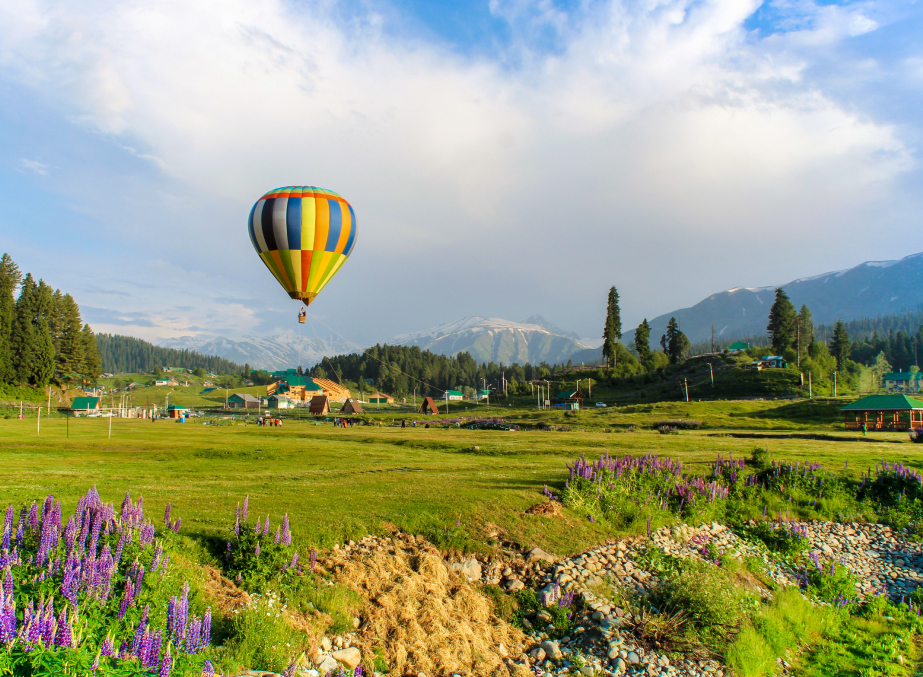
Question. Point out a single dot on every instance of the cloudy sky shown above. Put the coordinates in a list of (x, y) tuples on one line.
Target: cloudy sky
[(504, 158)]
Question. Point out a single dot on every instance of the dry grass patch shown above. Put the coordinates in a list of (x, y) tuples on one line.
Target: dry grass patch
[(424, 617)]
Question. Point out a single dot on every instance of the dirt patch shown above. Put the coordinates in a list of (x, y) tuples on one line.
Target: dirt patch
[(421, 615), (548, 508), (227, 597)]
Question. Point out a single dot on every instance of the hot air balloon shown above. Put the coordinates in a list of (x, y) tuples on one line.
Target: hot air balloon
[(304, 235)]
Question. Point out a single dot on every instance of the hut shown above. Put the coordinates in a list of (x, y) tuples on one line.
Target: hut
[(380, 398), (84, 405), (279, 401), (351, 406), (243, 401), (320, 405), (428, 406), (884, 412), (568, 399), (177, 411)]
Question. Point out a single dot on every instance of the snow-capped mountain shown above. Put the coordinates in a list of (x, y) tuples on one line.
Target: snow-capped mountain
[(280, 351), (870, 289), (498, 340)]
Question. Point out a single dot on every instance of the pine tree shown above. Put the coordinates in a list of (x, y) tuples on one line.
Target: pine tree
[(782, 323), (839, 347), (9, 280), (92, 367), (613, 328), (642, 341), (806, 326), (21, 337), (70, 351), (42, 355), (677, 344)]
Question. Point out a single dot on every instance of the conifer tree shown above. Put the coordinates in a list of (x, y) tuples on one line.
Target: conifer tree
[(70, 347), (9, 280), (92, 367), (806, 326), (613, 328), (21, 337), (782, 323), (642, 341), (42, 355), (677, 344), (839, 347)]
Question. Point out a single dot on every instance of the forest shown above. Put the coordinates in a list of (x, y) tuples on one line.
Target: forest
[(129, 355), (42, 337)]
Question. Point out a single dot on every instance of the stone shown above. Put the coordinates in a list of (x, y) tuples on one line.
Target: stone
[(551, 649), (515, 585), (350, 657), (632, 658), (326, 644), (470, 568), (538, 654), (537, 554), (328, 664), (587, 670)]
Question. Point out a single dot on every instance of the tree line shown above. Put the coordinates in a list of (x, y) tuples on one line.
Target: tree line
[(42, 337), (126, 354)]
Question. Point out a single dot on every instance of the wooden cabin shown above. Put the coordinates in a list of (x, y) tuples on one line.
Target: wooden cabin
[(884, 412), (428, 406)]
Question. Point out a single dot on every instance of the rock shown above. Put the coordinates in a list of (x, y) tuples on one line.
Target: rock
[(350, 657), (328, 664), (470, 568), (587, 670), (537, 554), (551, 649), (515, 585), (326, 644), (632, 658), (538, 654)]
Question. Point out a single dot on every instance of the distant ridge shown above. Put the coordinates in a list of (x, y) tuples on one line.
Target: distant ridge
[(870, 289), (280, 351), (497, 340)]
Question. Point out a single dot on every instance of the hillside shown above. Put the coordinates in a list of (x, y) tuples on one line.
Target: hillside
[(280, 351), (870, 289), (496, 340), (126, 354)]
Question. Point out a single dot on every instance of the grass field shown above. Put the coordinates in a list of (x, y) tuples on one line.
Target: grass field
[(340, 483)]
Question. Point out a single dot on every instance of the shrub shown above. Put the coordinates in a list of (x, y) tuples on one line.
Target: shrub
[(784, 538), (828, 581)]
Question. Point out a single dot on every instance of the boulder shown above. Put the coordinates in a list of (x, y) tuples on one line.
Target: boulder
[(327, 664), (551, 649), (537, 554), (470, 568), (350, 657)]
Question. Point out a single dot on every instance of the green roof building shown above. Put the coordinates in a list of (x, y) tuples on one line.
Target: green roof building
[(737, 346), (85, 404), (903, 380), (884, 412), (454, 395)]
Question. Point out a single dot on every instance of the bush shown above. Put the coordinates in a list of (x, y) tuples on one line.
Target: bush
[(784, 538), (828, 581)]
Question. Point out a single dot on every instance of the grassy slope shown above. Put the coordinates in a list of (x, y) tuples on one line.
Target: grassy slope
[(338, 483)]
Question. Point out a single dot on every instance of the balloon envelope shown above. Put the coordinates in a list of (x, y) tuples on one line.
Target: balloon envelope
[(304, 235)]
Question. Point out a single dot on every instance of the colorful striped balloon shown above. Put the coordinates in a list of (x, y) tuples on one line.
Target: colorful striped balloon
[(304, 235)]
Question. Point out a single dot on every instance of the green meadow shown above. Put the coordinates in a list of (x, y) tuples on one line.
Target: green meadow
[(450, 484)]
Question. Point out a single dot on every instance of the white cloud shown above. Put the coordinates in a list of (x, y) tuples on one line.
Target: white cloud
[(39, 168), (665, 114)]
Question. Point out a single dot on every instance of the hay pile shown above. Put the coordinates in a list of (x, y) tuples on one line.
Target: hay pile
[(421, 615)]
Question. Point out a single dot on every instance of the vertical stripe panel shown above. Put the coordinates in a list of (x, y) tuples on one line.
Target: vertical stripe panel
[(308, 216), (269, 236), (258, 225), (351, 242), (286, 256), (279, 209), (336, 224), (293, 223), (321, 224), (305, 268), (283, 275), (253, 241), (345, 228)]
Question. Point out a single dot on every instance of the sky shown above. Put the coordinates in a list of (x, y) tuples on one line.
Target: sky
[(504, 158)]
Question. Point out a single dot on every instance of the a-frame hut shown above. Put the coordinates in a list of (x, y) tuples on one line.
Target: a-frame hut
[(428, 406), (351, 406), (320, 405)]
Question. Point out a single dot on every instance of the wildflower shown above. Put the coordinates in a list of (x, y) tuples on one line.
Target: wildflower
[(165, 665)]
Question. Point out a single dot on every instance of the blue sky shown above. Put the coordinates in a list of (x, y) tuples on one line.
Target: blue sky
[(504, 158)]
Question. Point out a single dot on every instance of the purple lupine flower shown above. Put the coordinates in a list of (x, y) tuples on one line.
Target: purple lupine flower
[(290, 670), (118, 548), (107, 649), (95, 665), (126, 598), (240, 579), (257, 549), (266, 526), (206, 637), (166, 514), (208, 670), (63, 635), (285, 529), (140, 631), (227, 553), (258, 527), (153, 652), (166, 664), (278, 536), (358, 671), (8, 582), (33, 517), (163, 567), (176, 526), (246, 504), (237, 527), (294, 562)]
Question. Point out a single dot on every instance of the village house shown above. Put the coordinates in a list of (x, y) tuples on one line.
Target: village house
[(903, 381), (243, 401)]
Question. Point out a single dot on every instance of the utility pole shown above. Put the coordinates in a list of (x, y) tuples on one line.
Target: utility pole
[(711, 372), (686, 385), (38, 422), (110, 424), (713, 338), (49, 401), (834, 384), (799, 342), (810, 387)]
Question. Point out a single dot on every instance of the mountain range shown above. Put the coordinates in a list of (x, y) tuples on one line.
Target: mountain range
[(497, 340), (870, 289), (280, 351)]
